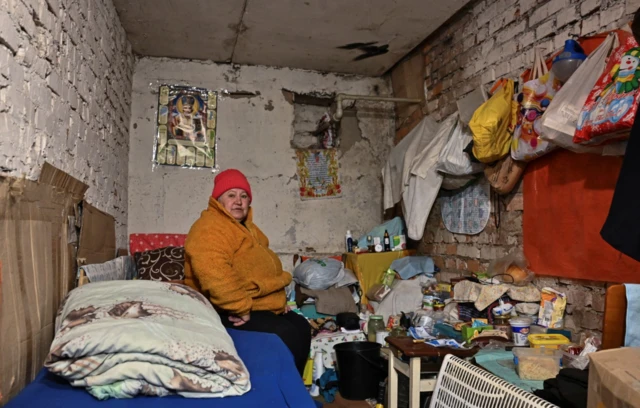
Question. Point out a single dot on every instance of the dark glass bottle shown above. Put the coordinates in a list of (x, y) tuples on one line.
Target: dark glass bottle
[(387, 242)]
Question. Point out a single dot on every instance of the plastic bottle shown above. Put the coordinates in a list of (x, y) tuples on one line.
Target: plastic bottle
[(349, 241), (387, 241), (566, 63), (388, 277)]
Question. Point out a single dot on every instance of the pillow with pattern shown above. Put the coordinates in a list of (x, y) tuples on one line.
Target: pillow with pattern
[(162, 264)]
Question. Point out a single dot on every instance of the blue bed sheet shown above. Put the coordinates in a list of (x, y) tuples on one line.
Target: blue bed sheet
[(275, 382)]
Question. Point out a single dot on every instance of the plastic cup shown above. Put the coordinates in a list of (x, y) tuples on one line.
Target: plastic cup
[(520, 327)]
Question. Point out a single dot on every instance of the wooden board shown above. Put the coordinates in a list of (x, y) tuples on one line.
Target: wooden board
[(615, 316)]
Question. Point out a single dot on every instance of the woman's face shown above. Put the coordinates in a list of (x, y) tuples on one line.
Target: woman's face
[(236, 202)]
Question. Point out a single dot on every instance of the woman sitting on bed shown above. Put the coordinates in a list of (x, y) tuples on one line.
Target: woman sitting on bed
[(227, 258)]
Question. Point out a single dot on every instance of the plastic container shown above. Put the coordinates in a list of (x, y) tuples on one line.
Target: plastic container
[(550, 341), (360, 369), (537, 364), (520, 327)]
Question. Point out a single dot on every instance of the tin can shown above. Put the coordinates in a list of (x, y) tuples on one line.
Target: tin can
[(381, 335)]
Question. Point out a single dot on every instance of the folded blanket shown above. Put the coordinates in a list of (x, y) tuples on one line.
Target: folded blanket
[(124, 338)]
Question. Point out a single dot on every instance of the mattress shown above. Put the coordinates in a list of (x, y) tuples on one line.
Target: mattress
[(275, 382)]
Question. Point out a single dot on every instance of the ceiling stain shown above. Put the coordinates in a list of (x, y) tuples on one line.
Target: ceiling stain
[(369, 49)]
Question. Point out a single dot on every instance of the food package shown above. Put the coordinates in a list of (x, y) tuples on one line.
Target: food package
[(377, 292), (552, 306)]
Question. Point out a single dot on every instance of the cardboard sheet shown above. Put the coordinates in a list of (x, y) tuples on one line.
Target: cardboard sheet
[(35, 276), (97, 243), (566, 201), (614, 378)]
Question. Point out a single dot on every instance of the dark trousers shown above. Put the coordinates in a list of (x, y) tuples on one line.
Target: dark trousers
[(293, 330)]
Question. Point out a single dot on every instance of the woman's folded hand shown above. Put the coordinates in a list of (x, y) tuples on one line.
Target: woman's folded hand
[(239, 320)]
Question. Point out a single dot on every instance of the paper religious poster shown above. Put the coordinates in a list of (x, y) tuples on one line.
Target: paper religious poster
[(318, 174), (186, 127)]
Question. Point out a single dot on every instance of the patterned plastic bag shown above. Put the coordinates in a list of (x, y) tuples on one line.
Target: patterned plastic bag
[(611, 106)]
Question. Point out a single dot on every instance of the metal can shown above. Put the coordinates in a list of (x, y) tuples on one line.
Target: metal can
[(381, 335)]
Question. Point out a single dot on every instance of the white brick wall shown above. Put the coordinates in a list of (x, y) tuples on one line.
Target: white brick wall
[(493, 38), (66, 68)]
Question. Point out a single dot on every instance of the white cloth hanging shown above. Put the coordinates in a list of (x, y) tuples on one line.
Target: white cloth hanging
[(410, 172), (425, 180), (395, 174)]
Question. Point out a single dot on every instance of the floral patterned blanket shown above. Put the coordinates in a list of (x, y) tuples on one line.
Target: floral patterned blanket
[(120, 339)]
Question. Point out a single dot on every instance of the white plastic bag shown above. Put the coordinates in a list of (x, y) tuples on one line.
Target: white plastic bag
[(318, 273), (453, 160), (561, 117)]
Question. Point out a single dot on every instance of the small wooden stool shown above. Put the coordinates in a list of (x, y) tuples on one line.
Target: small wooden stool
[(400, 347)]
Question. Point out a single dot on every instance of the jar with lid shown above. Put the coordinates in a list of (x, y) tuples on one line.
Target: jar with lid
[(502, 323), (375, 324), (398, 332), (438, 313)]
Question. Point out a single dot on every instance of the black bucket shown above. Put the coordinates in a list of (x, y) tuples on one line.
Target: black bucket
[(360, 369)]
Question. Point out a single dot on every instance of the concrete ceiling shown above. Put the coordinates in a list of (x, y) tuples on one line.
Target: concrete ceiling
[(305, 34)]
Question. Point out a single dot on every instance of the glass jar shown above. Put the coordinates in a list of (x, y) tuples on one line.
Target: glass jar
[(398, 332), (375, 324), (502, 323)]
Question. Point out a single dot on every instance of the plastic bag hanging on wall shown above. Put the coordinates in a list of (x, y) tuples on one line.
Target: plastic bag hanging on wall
[(186, 128)]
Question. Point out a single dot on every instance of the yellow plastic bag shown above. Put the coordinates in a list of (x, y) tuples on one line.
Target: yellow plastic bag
[(307, 375), (492, 125)]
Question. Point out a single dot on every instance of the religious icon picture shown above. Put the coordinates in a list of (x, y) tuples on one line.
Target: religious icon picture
[(186, 127)]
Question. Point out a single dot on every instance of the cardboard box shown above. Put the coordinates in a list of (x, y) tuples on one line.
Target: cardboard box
[(614, 378), (36, 276)]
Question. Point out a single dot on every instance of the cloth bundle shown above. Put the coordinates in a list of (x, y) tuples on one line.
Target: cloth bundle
[(120, 339)]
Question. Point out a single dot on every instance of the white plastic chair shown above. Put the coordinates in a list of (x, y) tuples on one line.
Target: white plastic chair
[(463, 385)]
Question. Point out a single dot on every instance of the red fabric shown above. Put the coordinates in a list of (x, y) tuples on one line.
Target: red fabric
[(229, 179), (566, 201), (147, 242)]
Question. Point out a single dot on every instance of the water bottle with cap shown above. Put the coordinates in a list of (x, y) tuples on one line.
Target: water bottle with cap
[(349, 241), (566, 63)]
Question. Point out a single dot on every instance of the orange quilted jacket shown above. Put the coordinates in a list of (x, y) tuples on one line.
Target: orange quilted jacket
[(232, 264)]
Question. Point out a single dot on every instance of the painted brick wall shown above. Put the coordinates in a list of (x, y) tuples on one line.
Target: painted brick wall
[(65, 95), (489, 39)]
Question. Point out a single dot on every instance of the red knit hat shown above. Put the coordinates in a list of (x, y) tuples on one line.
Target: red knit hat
[(228, 179)]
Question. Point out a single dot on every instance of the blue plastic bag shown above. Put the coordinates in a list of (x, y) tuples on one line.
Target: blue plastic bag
[(410, 266), (394, 227)]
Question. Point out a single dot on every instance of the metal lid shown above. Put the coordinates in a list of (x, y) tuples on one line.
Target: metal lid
[(376, 317)]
